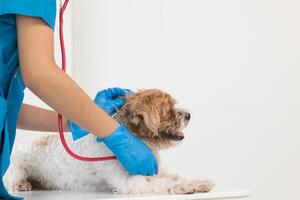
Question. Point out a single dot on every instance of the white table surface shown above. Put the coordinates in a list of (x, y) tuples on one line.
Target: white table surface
[(217, 193)]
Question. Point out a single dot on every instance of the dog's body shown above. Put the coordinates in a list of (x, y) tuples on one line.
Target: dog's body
[(149, 114)]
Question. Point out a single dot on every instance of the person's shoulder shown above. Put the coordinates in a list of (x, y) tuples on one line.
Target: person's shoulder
[(45, 9)]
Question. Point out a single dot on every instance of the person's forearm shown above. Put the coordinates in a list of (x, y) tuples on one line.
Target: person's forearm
[(61, 93), (38, 119)]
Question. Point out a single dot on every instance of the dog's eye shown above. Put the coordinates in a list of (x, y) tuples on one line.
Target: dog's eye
[(171, 114), (179, 113)]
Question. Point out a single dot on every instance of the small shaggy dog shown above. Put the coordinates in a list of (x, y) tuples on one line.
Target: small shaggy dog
[(149, 114)]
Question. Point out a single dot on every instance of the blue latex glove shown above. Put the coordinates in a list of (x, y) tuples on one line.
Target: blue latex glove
[(135, 156), (110, 100)]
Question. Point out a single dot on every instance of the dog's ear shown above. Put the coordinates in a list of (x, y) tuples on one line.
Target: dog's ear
[(131, 112), (152, 121), (140, 113), (135, 117)]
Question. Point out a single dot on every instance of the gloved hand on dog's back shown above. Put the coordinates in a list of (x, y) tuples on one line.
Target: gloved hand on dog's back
[(110, 100), (134, 155)]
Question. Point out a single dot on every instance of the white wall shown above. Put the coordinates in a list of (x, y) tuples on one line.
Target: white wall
[(235, 64)]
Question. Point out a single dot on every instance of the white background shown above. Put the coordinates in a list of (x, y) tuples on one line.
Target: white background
[(234, 64)]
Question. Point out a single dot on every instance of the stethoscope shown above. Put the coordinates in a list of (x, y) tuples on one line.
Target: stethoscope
[(63, 64)]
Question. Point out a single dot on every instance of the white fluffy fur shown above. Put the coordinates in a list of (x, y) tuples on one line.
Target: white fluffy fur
[(48, 166)]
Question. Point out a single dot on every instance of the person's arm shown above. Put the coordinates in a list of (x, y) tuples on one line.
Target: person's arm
[(43, 77), (38, 119)]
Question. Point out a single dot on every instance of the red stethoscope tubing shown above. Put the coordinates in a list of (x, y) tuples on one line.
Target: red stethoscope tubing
[(60, 124)]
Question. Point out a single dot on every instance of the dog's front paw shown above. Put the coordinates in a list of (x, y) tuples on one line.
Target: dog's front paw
[(201, 185), (193, 187), (22, 186)]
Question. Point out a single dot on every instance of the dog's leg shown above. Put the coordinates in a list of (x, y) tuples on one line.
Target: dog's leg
[(185, 186), (16, 178), (163, 184)]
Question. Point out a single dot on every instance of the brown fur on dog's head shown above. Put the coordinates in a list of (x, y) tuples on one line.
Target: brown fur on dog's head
[(152, 116)]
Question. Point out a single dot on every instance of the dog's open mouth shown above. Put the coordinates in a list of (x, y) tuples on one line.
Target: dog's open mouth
[(174, 136)]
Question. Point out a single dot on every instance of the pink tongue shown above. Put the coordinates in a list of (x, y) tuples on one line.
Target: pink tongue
[(180, 134)]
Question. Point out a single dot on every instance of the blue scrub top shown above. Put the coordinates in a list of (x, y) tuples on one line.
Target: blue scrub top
[(11, 83)]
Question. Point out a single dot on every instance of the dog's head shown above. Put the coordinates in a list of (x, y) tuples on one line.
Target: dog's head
[(152, 116)]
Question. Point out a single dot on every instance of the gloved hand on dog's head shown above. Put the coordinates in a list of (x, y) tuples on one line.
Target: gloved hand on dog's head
[(110, 100)]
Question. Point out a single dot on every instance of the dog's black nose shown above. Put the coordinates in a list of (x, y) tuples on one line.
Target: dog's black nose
[(187, 116)]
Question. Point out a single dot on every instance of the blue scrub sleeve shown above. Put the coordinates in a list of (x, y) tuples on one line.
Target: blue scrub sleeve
[(45, 9)]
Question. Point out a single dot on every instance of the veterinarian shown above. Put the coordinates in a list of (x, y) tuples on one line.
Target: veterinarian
[(27, 59)]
